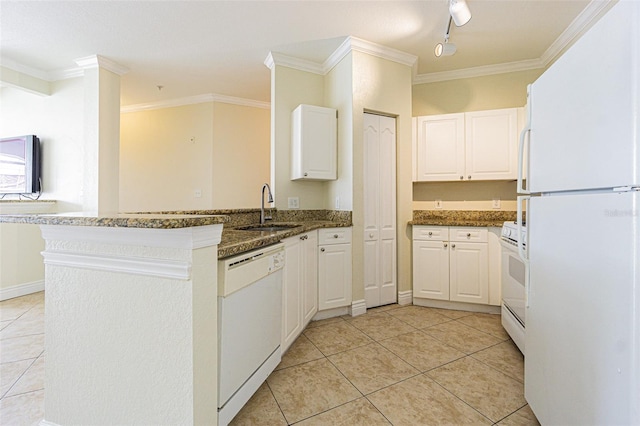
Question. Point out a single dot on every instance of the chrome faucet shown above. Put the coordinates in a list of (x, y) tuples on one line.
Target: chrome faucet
[(263, 218)]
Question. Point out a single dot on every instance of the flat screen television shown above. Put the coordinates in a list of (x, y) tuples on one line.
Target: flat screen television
[(20, 165)]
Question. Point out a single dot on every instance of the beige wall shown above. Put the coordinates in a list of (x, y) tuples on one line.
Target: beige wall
[(21, 263), (339, 95), (290, 88), (462, 95), (167, 154), (473, 94), (241, 155)]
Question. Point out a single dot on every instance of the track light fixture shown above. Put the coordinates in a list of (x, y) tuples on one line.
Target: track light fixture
[(460, 14), (446, 48), (459, 11)]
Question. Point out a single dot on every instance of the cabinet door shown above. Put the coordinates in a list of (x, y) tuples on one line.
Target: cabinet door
[(469, 272), (334, 276), (431, 269), (314, 143), (491, 150), (309, 277), (291, 292), (440, 147)]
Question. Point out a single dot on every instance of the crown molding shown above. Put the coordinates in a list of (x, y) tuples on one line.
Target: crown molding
[(65, 73), (24, 69), (349, 45), (576, 29), (591, 13), (481, 71), (280, 59), (381, 51), (192, 100), (95, 61)]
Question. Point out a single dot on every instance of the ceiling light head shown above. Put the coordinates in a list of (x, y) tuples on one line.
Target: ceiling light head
[(444, 49), (459, 12)]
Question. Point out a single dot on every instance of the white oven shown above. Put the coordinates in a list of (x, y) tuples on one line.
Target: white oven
[(514, 274)]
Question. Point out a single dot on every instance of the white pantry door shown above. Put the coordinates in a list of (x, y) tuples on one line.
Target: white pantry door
[(380, 286)]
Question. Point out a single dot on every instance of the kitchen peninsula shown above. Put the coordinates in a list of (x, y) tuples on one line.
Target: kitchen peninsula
[(131, 317)]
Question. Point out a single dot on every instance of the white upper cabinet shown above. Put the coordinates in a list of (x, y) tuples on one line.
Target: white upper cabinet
[(491, 144), (440, 147), (480, 145), (314, 145)]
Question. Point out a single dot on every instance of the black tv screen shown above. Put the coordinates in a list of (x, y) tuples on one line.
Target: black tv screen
[(20, 165)]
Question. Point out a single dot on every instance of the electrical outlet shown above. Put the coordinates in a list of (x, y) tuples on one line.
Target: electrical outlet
[(496, 203), (293, 202), (438, 204), (197, 193)]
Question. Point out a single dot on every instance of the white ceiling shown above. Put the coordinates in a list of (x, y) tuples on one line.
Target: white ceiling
[(202, 47)]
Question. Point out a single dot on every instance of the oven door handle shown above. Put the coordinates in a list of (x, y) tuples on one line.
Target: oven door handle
[(521, 244)]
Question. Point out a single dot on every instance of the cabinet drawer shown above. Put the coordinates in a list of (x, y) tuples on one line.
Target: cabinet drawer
[(431, 233), (334, 236), (476, 235)]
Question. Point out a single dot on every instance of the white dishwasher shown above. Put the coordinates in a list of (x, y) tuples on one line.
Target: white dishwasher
[(249, 325)]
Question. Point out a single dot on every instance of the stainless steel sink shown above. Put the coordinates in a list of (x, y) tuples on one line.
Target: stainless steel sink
[(265, 228)]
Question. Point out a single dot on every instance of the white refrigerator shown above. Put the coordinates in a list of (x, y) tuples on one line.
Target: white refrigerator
[(582, 141)]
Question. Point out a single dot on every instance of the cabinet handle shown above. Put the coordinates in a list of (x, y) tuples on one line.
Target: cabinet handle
[(306, 174), (461, 177), (335, 235), (453, 246), (446, 245), (322, 249), (370, 235), (304, 237), (430, 233), (469, 235), (469, 177)]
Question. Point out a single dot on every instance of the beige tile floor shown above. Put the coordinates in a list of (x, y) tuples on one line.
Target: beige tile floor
[(399, 365), (394, 365), (22, 360)]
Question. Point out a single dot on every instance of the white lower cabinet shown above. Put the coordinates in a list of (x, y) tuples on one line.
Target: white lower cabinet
[(334, 268), (299, 285), (453, 263)]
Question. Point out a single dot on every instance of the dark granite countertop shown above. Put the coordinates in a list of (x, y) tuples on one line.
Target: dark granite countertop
[(479, 218), (236, 241), (155, 221)]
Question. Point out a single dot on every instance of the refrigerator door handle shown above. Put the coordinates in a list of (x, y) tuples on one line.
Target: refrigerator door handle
[(526, 130), (521, 189)]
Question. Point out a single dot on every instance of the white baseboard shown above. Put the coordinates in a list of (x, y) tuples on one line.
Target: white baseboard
[(21, 290), (458, 306), (358, 307), (405, 297), (330, 313)]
